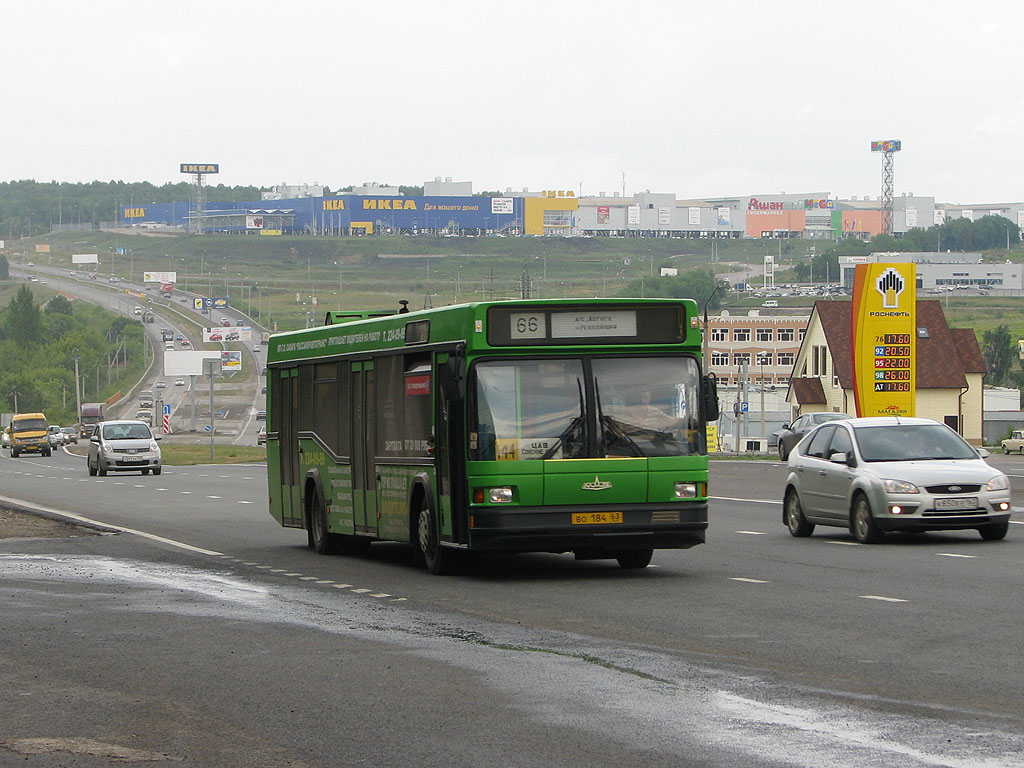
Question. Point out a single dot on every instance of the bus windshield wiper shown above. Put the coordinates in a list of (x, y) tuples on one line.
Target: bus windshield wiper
[(614, 427), (573, 426)]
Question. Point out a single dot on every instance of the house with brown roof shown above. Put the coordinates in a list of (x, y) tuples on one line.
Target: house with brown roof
[(950, 368)]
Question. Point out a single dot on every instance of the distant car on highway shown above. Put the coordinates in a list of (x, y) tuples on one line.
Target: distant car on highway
[(179, 382), (160, 384), (123, 446), (226, 323), (55, 436), (261, 415), (5, 441), (255, 347), (70, 435), (791, 434), (261, 436)]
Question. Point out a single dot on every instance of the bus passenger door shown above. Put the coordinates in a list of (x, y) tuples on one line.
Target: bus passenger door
[(288, 446), (364, 438)]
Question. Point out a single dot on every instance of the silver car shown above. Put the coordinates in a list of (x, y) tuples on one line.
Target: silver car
[(874, 475), (791, 434), (123, 446)]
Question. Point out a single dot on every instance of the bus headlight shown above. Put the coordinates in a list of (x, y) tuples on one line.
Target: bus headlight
[(686, 490), (500, 495)]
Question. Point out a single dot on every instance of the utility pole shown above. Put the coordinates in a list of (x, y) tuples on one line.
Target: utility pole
[(78, 391)]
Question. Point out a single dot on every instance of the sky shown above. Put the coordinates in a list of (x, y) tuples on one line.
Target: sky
[(695, 99)]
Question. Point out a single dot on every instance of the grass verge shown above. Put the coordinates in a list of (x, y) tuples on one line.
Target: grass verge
[(184, 455)]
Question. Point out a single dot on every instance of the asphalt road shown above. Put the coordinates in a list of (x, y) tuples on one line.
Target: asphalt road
[(209, 635)]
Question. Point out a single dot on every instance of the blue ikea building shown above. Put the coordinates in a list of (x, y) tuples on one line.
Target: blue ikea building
[(340, 215)]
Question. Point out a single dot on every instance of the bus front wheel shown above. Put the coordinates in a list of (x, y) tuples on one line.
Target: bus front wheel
[(633, 559), (428, 542)]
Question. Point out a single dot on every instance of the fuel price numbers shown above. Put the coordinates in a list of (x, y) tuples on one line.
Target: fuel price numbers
[(893, 368)]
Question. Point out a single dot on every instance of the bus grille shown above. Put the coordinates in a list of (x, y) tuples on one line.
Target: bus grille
[(666, 516)]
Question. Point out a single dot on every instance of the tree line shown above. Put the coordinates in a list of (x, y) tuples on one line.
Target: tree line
[(956, 235), (38, 347), (29, 207)]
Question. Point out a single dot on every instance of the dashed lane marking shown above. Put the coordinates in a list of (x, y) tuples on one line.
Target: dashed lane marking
[(953, 554), (845, 543), (883, 599), (747, 581), (752, 533)]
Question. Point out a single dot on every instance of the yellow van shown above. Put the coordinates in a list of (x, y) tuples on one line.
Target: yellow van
[(29, 434)]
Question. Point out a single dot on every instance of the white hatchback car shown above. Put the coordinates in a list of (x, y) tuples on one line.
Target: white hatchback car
[(123, 446), (874, 475)]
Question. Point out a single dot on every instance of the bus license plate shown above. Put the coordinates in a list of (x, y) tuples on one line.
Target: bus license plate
[(965, 502), (596, 518)]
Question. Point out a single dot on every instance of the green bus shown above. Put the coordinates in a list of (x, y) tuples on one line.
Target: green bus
[(508, 426)]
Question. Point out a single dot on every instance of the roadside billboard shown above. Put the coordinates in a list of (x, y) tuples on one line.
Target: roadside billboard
[(884, 334), (85, 258), (230, 362), (243, 333), (205, 302), (159, 277), (187, 363)]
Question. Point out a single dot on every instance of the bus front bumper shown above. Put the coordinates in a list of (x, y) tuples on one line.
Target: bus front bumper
[(586, 529)]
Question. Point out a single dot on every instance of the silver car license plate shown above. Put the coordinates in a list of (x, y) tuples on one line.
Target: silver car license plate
[(961, 502)]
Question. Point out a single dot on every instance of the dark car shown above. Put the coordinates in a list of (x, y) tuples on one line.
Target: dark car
[(791, 434), (71, 435)]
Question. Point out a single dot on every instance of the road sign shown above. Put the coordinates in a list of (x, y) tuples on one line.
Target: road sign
[(745, 407), (167, 409)]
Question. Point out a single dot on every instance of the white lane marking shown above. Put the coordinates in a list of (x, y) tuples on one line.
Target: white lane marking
[(1016, 522), (187, 493), (325, 581), (213, 497), (883, 599), (342, 586), (246, 502), (845, 543), (308, 578), (747, 581), (139, 485), (293, 573), (362, 590), (109, 526), (751, 501), (953, 554), (380, 594), (161, 489), (752, 533)]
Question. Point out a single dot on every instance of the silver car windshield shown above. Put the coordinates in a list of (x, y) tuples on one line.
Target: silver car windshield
[(125, 432), (912, 442)]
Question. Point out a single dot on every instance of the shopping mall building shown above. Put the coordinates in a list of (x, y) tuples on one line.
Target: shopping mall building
[(450, 208)]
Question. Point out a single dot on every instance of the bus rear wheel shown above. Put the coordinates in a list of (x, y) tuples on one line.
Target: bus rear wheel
[(428, 542), (320, 539), (634, 559)]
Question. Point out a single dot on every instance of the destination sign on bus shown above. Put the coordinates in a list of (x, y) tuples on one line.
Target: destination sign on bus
[(613, 325)]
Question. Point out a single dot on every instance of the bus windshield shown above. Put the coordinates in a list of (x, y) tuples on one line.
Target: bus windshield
[(589, 407)]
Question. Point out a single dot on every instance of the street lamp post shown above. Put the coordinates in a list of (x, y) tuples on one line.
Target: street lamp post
[(705, 329)]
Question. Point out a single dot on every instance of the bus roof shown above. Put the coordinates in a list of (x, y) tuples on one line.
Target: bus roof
[(508, 324)]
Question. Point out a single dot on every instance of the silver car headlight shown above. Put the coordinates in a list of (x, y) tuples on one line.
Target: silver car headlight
[(998, 483), (153, 446), (899, 486)]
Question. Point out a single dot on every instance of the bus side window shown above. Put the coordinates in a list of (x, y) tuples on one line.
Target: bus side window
[(418, 414)]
